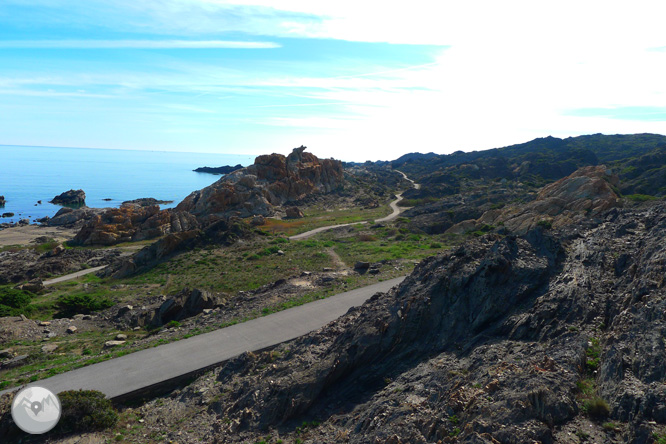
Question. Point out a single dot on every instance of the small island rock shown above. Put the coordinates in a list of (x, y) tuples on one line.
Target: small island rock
[(71, 197)]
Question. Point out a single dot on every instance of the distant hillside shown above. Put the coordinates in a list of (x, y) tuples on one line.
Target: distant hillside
[(638, 159)]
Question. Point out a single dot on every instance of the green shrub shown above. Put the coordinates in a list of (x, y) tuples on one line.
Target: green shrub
[(640, 197), (596, 407), (14, 298), (82, 303), (435, 245), (546, 224), (173, 324), (85, 411)]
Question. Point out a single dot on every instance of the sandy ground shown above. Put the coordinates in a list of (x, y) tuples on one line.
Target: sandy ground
[(27, 233)]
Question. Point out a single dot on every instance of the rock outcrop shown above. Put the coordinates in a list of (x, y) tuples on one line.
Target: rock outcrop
[(147, 202), (133, 223), (2, 201), (67, 217), (586, 192), (71, 197), (271, 181), (294, 213), (222, 232), (185, 304), (219, 170)]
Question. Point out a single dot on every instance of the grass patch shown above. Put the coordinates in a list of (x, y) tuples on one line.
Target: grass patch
[(641, 197)]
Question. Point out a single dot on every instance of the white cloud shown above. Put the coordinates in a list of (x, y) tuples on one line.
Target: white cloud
[(135, 44)]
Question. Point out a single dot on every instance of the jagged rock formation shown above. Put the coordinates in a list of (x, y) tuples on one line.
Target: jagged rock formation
[(70, 217), (588, 191), (486, 343), (185, 304), (271, 181), (133, 223), (2, 201), (222, 232), (71, 197)]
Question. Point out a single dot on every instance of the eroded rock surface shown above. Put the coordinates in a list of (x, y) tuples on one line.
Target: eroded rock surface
[(586, 192), (486, 343), (133, 223), (271, 181)]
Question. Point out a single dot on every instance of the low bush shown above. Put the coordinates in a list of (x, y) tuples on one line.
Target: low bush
[(82, 303), (596, 407), (641, 197), (85, 411), (14, 302)]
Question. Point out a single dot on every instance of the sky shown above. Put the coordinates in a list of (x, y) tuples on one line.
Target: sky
[(354, 80)]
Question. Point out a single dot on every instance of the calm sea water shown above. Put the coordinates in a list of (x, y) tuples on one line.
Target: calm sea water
[(30, 174)]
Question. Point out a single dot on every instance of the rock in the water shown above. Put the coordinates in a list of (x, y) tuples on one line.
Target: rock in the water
[(71, 197), (294, 213), (7, 214), (147, 202), (71, 329), (2, 201), (219, 170)]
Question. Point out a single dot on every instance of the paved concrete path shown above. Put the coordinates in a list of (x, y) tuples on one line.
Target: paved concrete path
[(145, 368), (311, 233), (69, 277)]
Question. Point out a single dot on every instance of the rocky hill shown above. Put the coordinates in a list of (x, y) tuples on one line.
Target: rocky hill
[(553, 336), (584, 193), (461, 186), (271, 181)]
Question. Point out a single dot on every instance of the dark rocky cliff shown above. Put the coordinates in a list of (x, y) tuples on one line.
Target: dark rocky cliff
[(506, 339)]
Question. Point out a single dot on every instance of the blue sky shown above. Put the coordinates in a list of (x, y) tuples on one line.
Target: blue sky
[(352, 80)]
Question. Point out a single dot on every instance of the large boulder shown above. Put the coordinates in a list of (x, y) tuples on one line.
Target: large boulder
[(69, 216), (294, 213), (271, 181), (133, 223), (183, 305), (2, 201), (71, 197)]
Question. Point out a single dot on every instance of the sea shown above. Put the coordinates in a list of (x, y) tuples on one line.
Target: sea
[(29, 174)]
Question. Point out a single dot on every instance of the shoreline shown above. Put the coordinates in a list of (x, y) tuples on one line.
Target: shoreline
[(25, 234)]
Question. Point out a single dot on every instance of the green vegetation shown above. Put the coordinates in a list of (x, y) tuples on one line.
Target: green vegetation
[(640, 197), (14, 302), (85, 411), (593, 354), (596, 407), (75, 303), (545, 224)]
